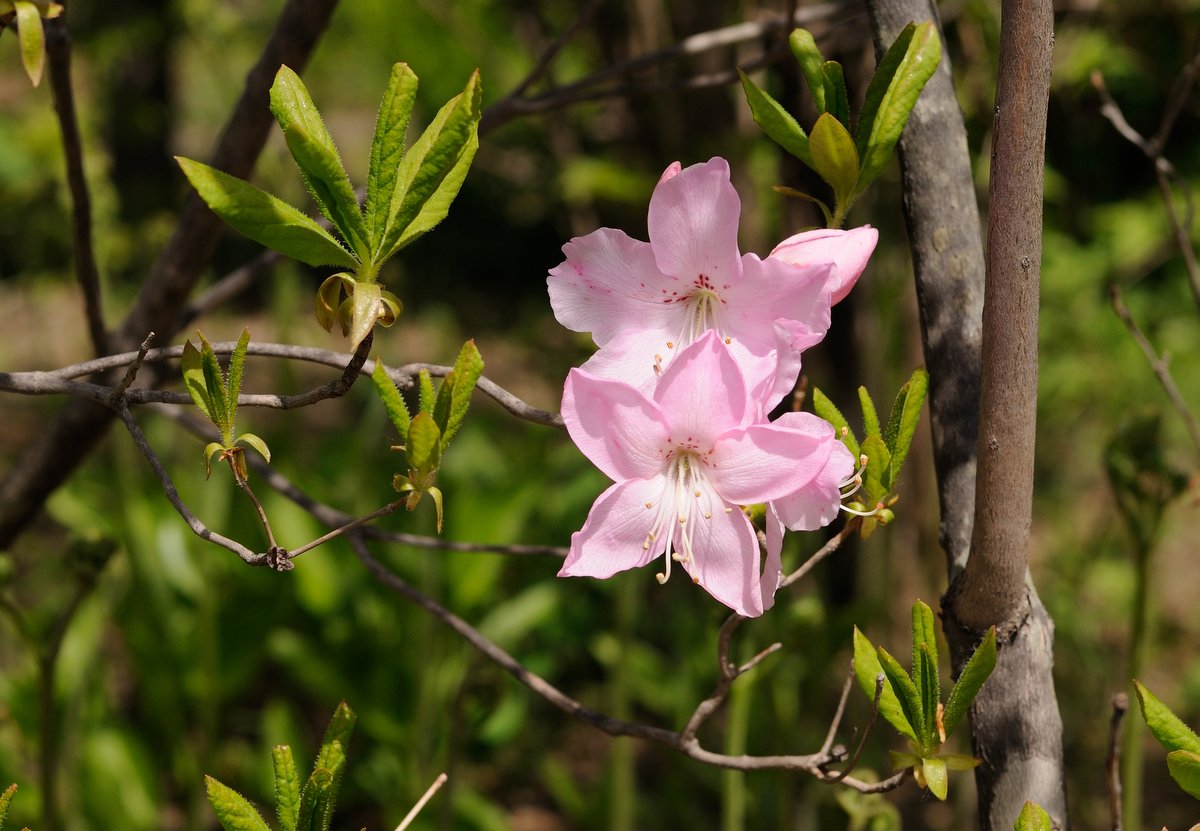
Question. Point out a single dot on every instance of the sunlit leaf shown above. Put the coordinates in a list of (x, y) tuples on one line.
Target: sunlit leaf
[(32, 38), (364, 311), (257, 443), (878, 460), (5, 799), (393, 402), (233, 381), (211, 449), (425, 391), (329, 298), (866, 670), (387, 146), (837, 103), (193, 378), (977, 669), (906, 692), (775, 121), (804, 48), (925, 669), (214, 383), (233, 811), (264, 218), (1033, 818), (834, 158), (825, 408), (870, 417), (1167, 727), (1185, 770), (287, 787), (902, 424), (467, 369), (424, 443), (934, 770)]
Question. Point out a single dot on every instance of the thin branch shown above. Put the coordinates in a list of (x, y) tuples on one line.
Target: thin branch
[(847, 685), (229, 286), (428, 795), (58, 54), (828, 548), (1120, 704), (1159, 365), (551, 51), (862, 739), (131, 372), (389, 508)]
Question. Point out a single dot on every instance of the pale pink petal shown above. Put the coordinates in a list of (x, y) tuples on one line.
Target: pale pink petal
[(773, 290), (693, 224), (766, 461), (725, 559), (671, 172), (614, 425), (816, 504), (614, 537), (772, 574), (608, 283), (702, 393), (783, 366), (849, 251)]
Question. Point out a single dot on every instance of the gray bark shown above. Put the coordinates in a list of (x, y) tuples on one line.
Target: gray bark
[(982, 360)]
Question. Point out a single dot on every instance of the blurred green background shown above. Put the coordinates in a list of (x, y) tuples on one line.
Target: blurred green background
[(178, 661)]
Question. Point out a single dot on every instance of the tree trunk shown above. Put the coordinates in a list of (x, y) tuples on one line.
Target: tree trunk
[(981, 352)]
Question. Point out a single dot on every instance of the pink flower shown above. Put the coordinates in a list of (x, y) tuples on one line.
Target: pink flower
[(816, 504), (683, 460), (644, 302), (847, 250)]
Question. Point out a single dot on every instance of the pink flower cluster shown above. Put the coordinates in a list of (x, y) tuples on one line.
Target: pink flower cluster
[(697, 344)]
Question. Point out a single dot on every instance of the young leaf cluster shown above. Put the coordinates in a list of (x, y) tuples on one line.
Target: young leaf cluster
[(5, 799), (28, 15), (884, 448), (215, 393), (408, 193), (1181, 742), (426, 434), (849, 154), (307, 807), (912, 702)]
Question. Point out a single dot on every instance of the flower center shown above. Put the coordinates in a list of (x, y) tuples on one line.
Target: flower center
[(687, 498)]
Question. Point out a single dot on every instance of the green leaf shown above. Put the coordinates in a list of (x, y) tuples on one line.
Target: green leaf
[(392, 400), (424, 444), (467, 369), (319, 794), (775, 121), (836, 101), (364, 307), (425, 391), (825, 408), (935, 776), (287, 787), (316, 155), (32, 39), (1170, 731), (1185, 770), (441, 404), (387, 146), (233, 382), (906, 692), (329, 298), (255, 442), (834, 158), (232, 810), (804, 47), (925, 669), (977, 669), (193, 378), (264, 218), (878, 460), (870, 417), (902, 73), (902, 423), (866, 670), (432, 170), (214, 383), (5, 799), (436, 495), (211, 449), (1033, 818)]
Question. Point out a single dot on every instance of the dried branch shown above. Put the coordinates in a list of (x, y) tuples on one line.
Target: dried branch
[(1120, 704), (428, 795), (1158, 364), (58, 55)]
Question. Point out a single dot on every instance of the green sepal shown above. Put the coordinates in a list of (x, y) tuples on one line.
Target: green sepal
[(834, 159), (902, 423), (934, 772), (837, 102), (360, 311), (906, 692), (192, 366), (866, 670), (423, 448), (317, 157), (387, 146), (467, 369), (870, 416), (1167, 727), (826, 409), (329, 298), (811, 61), (925, 670), (211, 449), (977, 669), (1033, 817), (5, 800), (433, 169), (1184, 767), (287, 787), (264, 218), (891, 95), (393, 401), (257, 443), (233, 811), (32, 39), (775, 121), (425, 392)]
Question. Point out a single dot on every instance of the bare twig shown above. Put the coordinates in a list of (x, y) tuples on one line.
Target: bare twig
[(1120, 704), (428, 795), (391, 507), (131, 372), (58, 54), (229, 286), (828, 548), (836, 722), (862, 739), (1158, 364)]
